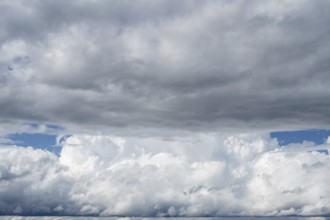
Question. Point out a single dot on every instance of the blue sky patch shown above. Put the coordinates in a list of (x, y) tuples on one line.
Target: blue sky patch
[(318, 136), (325, 152), (35, 140)]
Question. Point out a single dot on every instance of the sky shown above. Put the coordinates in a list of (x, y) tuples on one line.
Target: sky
[(137, 218), (164, 108)]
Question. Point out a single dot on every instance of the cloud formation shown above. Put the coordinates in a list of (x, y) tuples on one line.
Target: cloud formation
[(166, 65), (200, 176), (164, 76), (137, 218)]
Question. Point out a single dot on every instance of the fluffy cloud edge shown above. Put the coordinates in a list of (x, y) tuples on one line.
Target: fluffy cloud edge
[(205, 175)]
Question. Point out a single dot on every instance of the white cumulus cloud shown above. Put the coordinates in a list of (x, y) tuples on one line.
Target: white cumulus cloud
[(206, 175)]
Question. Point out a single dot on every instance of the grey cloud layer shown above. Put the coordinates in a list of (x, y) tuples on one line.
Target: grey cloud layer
[(188, 65)]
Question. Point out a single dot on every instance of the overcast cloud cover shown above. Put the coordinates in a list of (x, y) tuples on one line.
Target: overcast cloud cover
[(154, 94), (166, 65)]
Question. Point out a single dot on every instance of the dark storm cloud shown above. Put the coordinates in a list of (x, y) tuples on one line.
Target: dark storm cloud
[(188, 65)]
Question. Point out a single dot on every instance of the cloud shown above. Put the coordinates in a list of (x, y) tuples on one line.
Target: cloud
[(205, 175), (32, 182), (127, 218), (127, 67), (163, 77)]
